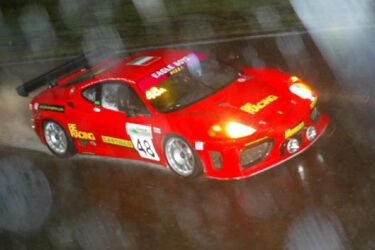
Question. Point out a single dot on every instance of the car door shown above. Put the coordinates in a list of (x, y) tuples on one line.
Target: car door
[(125, 125)]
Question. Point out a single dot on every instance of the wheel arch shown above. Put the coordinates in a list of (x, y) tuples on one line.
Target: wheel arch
[(189, 141), (73, 146)]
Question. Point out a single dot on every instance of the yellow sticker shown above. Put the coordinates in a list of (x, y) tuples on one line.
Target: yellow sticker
[(176, 70), (256, 141), (290, 132), (154, 92), (255, 108), (117, 141), (48, 107), (80, 134), (313, 103)]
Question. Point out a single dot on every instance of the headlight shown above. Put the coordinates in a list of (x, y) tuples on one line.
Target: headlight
[(311, 133), (301, 89), (237, 130), (292, 145), (232, 130)]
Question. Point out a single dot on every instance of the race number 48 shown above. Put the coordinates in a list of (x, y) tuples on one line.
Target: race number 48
[(141, 137), (145, 147)]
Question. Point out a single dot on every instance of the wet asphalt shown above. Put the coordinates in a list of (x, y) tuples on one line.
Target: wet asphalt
[(321, 199)]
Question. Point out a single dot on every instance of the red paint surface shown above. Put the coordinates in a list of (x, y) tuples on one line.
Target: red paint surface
[(192, 122)]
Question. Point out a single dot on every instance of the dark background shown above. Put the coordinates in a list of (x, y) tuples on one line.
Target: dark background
[(322, 199)]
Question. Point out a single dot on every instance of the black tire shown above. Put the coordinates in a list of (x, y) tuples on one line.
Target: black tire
[(181, 157), (58, 137)]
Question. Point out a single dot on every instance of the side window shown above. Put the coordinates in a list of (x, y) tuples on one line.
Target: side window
[(121, 97), (91, 94), (110, 96)]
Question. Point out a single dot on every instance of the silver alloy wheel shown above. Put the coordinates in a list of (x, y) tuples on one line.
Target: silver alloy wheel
[(180, 157), (55, 138)]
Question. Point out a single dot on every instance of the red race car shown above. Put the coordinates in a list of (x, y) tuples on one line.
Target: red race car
[(178, 108)]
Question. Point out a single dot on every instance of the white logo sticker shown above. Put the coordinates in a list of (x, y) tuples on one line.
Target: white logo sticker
[(157, 130), (199, 145)]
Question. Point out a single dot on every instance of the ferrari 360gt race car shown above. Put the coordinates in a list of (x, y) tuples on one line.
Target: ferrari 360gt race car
[(178, 108)]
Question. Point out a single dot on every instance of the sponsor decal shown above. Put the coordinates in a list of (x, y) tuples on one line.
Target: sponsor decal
[(154, 92), (199, 145), (138, 130), (255, 108), (292, 131), (173, 67), (75, 133), (83, 143), (54, 108), (176, 70), (157, 130), (141, 137), (143, 61), (117, 141)]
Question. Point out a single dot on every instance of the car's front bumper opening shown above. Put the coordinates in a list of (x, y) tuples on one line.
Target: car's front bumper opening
[(254, 154), (216, 160)]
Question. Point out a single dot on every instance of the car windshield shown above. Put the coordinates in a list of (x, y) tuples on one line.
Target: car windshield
[(190, 83)]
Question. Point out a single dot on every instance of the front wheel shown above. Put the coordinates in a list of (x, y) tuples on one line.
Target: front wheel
[(58, 142), (181, 158)]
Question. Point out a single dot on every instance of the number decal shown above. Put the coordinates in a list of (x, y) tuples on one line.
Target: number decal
[(145, 147), (154, 92), (148, 148), (141, 137), (139, 146)]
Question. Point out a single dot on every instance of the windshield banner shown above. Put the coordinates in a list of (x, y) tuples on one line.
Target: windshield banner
[(168, 70)]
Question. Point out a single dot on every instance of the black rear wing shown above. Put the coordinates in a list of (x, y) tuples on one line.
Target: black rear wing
[(83, 61)]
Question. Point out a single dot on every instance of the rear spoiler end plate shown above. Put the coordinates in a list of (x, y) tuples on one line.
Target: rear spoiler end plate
[(71, 66)]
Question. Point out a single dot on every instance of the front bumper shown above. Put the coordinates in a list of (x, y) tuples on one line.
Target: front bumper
[(229, 152)]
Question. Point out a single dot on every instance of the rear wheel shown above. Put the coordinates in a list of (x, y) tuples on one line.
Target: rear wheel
[(58, 142), (181, 158)]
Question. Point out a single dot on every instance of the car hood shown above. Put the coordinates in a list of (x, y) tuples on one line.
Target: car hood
[(260, 99)]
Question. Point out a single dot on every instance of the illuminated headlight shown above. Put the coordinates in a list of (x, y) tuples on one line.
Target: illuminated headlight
[(252, 155), (302, 90), (292, 145), (310, 133), (232, 130), (237, 130)]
